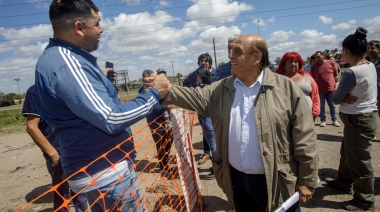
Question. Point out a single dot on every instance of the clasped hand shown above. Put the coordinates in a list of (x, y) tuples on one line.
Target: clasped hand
[(159, 82)]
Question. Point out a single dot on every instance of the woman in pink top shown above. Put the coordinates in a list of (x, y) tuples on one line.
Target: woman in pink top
[(291, 66)]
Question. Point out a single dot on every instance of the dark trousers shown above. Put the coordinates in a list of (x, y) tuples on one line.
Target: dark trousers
[(250, 192), (355, 165), (163, 140), (63, 192)]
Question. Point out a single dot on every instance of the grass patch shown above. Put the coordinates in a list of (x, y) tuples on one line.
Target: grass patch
[(12, 121)]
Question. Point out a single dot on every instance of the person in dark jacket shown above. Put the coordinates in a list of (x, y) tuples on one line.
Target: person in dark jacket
[(161, 128)]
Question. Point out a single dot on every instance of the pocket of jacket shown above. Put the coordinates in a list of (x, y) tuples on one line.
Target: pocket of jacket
[(286, 181)]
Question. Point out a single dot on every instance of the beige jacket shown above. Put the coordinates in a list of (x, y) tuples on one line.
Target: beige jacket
[(285, 129)]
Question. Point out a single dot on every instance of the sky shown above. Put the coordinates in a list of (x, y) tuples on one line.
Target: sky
[(171, 34)]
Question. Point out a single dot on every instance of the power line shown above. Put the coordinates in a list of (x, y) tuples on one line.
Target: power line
[(25, 3), (170, 8), (303, 7), (119, 4), (115, 35)]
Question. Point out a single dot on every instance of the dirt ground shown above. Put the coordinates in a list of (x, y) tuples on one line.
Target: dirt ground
[(24, 176)]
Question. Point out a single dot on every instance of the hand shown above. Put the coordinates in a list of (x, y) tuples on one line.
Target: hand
[(106, 70), (350, 99), (55, 158), (305, 193), (161, 83)]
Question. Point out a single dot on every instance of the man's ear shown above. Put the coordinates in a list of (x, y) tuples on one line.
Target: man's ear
[(258, 55), (78, 28)]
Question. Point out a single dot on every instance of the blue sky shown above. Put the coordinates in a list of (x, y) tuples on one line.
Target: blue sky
[(151, 34)]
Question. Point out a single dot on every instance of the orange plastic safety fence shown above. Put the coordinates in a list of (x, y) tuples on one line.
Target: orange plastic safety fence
[(166, 175)]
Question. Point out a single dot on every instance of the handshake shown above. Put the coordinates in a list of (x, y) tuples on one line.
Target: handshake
[(157, 80)]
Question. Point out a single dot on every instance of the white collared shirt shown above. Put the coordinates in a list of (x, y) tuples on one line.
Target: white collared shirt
[(243, 141)]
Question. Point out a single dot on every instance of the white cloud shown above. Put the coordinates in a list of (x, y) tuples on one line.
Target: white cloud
[(26, 35), (280, 36), (345, 26), (263, 22), (212, 12), (131, 1), (143, 31), (373, 27), (325, 19), (309, 41), (164, 3), (260, 22), (177, 51), (39, 3), (271, 20)]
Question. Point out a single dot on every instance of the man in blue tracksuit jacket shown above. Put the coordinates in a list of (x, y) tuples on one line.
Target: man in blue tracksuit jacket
[(82, 107)]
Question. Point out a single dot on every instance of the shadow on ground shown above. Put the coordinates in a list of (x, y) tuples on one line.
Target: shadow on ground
[(327, 137), (37, 192)]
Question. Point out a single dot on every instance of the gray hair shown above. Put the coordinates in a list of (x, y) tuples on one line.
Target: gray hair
[(233, 38)]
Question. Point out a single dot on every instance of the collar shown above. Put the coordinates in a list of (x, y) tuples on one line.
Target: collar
[(73, 48), (259, 80), (268, 80)]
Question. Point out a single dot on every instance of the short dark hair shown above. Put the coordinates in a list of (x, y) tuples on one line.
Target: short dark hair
[(320, 52), (206, 56), (147, 73), (63, 13), (357, 42), (375, 43)]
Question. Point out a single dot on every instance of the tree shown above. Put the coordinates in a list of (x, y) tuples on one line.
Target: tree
[(10, 96), (307, 61), (2, 95), (222, 63), (277, 60)]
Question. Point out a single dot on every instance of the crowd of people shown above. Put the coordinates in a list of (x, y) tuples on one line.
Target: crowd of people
[(258, 125)]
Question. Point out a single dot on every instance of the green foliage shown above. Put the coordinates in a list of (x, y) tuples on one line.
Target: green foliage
[(277, 60), (10, 96), (222, 63), (5, 103), (11, 121), (18, 97)]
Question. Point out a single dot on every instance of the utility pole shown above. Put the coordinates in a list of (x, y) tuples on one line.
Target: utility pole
[(216, 63), (258, 26), (126, 78), (173, 72), (18, 79)]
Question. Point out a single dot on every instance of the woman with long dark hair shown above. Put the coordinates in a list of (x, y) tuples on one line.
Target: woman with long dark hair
[(357, 96)]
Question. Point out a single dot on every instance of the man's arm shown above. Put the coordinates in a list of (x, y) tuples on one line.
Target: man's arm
[(92, 99), (305, 146), (39, 138)]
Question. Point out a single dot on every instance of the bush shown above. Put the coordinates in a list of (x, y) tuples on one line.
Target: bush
[(6, 103)]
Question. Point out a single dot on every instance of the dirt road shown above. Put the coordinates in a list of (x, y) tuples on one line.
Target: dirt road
[(24, 176)]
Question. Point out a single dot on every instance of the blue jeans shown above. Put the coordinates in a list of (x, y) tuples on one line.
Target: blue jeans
[(208, 134), (323, 98), (125, 195)]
